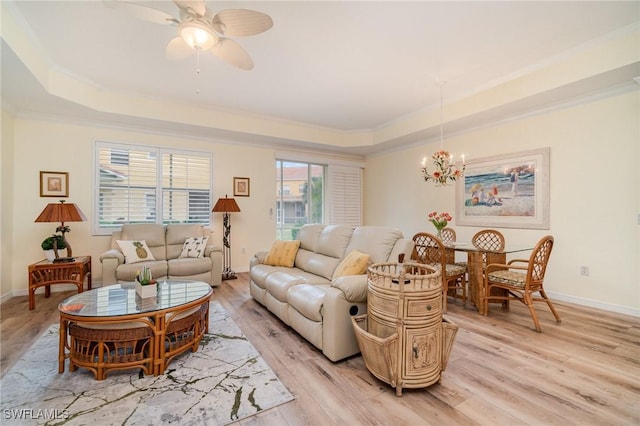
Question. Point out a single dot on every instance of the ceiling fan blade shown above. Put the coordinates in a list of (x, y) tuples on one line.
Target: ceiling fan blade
[(196, 5), (241, 22), (178, 49), (231, 52), (142, 12)]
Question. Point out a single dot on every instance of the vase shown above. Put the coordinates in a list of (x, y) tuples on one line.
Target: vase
[(439, 234), (145, 291), (50, 254)]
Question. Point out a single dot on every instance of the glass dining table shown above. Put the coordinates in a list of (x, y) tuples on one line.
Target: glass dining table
[(477, 259)]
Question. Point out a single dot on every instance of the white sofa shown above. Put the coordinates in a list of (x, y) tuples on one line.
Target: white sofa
[(307, 297), (165, 243)]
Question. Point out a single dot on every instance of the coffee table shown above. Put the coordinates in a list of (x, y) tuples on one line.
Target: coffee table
[(112, 328)]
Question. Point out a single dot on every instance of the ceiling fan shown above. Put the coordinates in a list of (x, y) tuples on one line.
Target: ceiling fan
[(200, 30)]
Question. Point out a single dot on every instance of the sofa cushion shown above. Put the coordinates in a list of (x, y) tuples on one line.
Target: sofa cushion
[(355, 263), (333, 240), (186, 266), (282, 253), (128, 271), (194, 247), (307, 299), (302, 258), (377, 241), (322, 265), (278, 283), (152, 233), (308, 236), (135, 251)]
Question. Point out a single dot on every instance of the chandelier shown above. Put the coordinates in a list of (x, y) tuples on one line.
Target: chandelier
[(444, 170)]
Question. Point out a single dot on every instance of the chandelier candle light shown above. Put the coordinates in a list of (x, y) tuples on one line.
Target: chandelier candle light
[(444, 168)]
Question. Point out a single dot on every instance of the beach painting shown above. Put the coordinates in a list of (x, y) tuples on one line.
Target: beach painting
[(508, 191)]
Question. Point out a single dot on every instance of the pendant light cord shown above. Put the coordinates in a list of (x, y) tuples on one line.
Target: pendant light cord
[(441, 119)]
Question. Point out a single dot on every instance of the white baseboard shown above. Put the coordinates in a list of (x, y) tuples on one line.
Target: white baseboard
[(626, 310)]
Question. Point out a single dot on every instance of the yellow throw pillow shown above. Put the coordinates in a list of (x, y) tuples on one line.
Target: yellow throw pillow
[(355, 263), (282, 253)]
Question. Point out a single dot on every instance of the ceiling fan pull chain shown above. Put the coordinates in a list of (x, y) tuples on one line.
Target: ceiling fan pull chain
[(197, 71)]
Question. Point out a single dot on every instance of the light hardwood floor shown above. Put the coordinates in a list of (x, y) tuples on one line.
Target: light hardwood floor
[(583, 371)]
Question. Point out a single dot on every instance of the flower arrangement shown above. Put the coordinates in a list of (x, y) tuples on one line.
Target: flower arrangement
[(440, 220), (444, 171)]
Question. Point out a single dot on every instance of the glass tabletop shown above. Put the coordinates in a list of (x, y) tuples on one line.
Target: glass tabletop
[(121, 299), (469, 247)]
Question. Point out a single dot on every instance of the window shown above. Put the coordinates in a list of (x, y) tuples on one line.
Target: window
[(153, 185), (295, 209)]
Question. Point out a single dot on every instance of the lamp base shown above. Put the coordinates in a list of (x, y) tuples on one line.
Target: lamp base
[(64, 260), (228, 274)]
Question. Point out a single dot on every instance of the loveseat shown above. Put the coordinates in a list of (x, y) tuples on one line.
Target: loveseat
[(172, 258), (316, 293)]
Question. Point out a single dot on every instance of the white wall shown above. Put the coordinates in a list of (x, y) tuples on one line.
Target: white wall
[(594, 195), (57, 146), (6, 195)]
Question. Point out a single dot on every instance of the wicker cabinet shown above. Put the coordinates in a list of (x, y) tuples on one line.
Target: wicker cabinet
[(404, 339)]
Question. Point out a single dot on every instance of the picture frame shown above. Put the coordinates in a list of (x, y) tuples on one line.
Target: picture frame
[(54, 184), (241, 186), (505, 191)]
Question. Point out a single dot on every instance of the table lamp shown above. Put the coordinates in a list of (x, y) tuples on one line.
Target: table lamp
[(62, 212), (226, 205)]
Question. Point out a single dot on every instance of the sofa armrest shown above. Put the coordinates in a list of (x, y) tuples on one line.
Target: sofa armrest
[(354, 287), (110, 260), (113, 254), (215, 253), (258, 258)]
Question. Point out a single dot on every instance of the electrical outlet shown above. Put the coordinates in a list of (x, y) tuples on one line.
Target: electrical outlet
[(584, 270)]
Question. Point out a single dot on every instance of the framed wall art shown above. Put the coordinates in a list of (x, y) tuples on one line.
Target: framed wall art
[(505, 191), (54, 184), (241, 187)]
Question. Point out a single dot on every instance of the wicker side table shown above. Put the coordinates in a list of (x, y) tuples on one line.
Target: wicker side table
[(46, 273), (404, 339)]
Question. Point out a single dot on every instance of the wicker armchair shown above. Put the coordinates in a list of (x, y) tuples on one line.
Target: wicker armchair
[(430, 250), (521, 279)]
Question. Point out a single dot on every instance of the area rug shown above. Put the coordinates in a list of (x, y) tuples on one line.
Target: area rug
[(224, 381)]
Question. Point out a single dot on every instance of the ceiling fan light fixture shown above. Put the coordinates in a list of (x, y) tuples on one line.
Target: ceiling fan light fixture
[(197, 35)]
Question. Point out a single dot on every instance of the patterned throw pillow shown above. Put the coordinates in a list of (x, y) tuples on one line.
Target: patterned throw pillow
[(355, 263), (282, 253), (135, 251), (194, 247)]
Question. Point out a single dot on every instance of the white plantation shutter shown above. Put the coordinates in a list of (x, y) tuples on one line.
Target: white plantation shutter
[(345, 195), (138, 184)]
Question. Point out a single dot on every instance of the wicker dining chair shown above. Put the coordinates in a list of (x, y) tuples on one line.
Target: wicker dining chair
[(488, 239), (448, 235), (521, 278), (430, 250)]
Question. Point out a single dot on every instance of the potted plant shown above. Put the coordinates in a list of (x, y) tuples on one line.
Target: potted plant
[(145, 284), (51, 245)]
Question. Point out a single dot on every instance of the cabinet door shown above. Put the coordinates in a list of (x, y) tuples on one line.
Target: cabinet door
[(423, 353)]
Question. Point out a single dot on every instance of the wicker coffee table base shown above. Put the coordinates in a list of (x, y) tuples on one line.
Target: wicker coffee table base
[(146, 341)]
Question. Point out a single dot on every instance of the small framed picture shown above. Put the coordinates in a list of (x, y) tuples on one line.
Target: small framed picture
[(54, 184), (240, 186)]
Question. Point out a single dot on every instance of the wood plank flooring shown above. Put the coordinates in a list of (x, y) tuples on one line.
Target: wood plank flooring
[(583, 371)]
